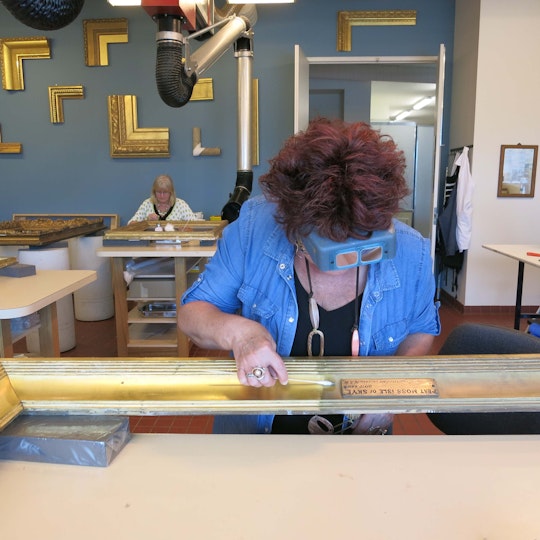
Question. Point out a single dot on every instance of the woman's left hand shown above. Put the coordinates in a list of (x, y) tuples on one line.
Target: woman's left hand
[(373, 424)]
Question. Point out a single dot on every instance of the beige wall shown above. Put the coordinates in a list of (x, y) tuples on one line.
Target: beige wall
[(505, 110)]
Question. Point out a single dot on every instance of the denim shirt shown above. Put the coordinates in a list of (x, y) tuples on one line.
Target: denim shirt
[(252, 273)]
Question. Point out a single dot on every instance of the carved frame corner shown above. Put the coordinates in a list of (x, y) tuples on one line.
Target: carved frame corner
[(12, 53), (347, 19), (127, 139), (57, 94), (98, 34)]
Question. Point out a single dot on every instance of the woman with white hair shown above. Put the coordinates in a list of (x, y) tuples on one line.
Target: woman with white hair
[(163, 204)]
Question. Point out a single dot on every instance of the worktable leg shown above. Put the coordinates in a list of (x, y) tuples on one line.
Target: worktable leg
[(519, 292), (6, 345), (120, 306), (180, 279), (49, 340)]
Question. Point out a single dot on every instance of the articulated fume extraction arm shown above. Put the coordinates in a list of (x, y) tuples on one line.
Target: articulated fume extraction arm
[(177, 69)]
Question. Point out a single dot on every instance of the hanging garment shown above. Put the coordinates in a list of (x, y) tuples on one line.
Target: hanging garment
[(448, 254), (465, 187), (451, 257)]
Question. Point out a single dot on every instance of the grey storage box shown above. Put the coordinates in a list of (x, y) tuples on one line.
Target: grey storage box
[(73, 440)]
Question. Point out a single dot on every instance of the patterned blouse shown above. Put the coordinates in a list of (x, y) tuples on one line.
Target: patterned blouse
[(180, 211)]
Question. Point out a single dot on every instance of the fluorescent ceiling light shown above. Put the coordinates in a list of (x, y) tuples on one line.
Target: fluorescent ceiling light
[(423, 103), (402, 115)]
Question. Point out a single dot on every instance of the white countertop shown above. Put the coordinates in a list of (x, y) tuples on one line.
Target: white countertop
[(517, 252), (25, 295), (289, 486)]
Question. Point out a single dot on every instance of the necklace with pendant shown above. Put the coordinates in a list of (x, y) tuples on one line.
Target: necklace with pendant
[(163, 215), (314, 318)]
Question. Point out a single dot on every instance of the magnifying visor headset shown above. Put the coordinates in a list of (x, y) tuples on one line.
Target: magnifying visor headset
[(329, 255)]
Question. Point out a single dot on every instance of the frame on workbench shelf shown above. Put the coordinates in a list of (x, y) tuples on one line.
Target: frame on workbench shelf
[(182, 230), (112, 219)]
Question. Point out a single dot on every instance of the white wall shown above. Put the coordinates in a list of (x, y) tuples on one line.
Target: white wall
[(505, 111)]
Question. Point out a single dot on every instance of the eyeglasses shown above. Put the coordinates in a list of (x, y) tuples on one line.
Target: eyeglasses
[(160, 192)]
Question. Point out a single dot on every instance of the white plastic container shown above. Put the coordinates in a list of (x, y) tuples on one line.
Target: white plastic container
[(95, 301)]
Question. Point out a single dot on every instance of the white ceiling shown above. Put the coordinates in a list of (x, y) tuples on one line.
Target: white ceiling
[(390, 98), (394, 87)]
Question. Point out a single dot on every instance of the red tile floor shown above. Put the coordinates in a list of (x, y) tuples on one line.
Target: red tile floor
[(88, 345)]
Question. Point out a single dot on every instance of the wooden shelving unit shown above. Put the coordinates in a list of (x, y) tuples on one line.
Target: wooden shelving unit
[(136, 334)]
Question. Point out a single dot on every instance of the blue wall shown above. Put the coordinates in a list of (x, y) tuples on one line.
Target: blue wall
[(67, 168)]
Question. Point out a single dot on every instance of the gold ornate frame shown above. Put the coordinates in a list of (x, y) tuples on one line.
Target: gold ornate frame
[(98, 34), (348, 19), (203, 90), (13, 52), (127, 140), (57, 94), (183, 230)]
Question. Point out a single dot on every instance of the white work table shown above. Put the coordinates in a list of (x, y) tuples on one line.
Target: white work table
[(26, 295), (289, 486), (518, 252)]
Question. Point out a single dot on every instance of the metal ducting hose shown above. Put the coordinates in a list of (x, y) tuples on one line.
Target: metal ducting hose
[(174, 85), (241, 193), (44, 14)]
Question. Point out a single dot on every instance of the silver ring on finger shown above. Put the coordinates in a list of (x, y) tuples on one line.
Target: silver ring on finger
[(258, 373)]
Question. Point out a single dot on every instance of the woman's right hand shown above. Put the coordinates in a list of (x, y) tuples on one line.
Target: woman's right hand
[(153, 217), (251, 344), (253, 349)]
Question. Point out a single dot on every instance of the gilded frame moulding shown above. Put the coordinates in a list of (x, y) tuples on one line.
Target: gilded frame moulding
[(127, 386), (199, 149), (127, 140), (255, 123), (14, 51), (203, 90), (98, 34), (9, 148), (348, 19), (57, 94)]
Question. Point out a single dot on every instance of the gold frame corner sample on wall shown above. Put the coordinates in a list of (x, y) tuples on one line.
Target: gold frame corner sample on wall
[(255, 124), (98, 34), (348, 19), (57, 94), (203, 90), (127, 140), (12, 53), (9, 148), (199, 149)]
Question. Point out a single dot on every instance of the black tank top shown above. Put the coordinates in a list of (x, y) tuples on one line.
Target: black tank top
[(336, 325)]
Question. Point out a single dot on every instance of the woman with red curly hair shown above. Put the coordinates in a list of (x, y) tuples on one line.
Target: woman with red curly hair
[(263, 297)]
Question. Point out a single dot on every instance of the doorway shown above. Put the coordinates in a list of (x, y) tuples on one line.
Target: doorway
[(353, 88)]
